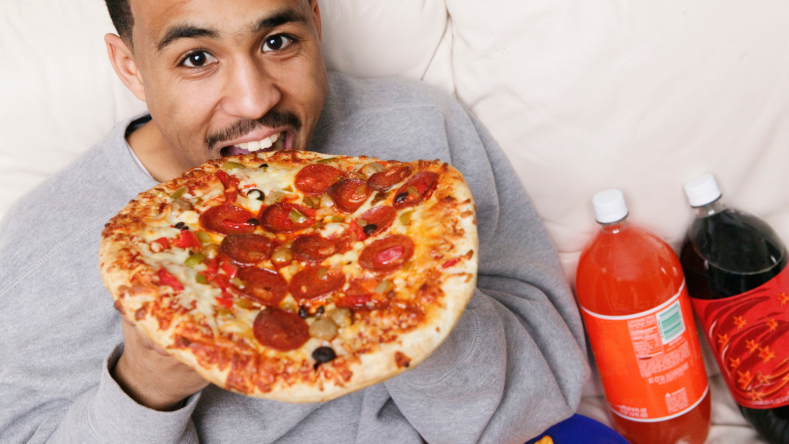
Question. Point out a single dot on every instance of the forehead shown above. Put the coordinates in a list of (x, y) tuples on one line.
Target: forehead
[(153, 19)]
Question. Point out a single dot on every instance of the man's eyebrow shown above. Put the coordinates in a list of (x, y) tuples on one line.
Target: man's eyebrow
[(280, 18), (185, 32)]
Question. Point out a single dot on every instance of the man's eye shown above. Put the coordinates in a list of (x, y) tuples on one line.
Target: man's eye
[(198, 59), (276, 43)]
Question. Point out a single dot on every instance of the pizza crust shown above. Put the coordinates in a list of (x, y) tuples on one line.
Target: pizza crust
[(134, 288)]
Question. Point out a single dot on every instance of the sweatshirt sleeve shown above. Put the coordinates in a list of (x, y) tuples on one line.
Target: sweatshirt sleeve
[(515, 363), (103, 414)]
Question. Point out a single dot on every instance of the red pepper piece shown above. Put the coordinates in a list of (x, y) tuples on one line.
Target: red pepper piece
[(354, 301), (229, 269), (225, 301), (187, 239), (213, 266), (165, 278), (231, 185), (450, 262), (163, 242), (357, 231), (221, 281)]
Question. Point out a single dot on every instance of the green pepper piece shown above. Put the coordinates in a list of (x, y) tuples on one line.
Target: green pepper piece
[(296, 217), (327, 160), (311, 203), (194, 259), (203, 236), (337, 218), (244, 303), (384, 287), (229, 165), (200, 279), (178, 193)]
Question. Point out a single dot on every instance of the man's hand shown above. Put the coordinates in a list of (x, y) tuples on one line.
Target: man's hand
[(150, 376)]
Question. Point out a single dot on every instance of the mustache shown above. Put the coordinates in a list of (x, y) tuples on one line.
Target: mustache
[(272, 119)]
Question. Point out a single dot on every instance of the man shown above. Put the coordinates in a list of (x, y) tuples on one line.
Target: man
[(217, 75)]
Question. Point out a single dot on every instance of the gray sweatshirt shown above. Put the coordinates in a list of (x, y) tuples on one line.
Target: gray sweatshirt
[(514, 365)]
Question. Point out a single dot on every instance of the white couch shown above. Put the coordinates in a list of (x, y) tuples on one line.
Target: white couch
[(582, 95)]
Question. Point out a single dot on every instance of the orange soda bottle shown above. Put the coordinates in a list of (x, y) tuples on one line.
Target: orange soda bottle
[(638, 315)]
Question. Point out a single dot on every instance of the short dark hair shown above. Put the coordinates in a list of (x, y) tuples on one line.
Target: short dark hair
[(122, 18)]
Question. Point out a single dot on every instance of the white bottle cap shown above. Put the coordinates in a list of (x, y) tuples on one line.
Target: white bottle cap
[(702, 190), (609, 206)]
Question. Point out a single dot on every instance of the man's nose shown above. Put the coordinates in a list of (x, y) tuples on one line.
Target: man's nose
[(249, 91)]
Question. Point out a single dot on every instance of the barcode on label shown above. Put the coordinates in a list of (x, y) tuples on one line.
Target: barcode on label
[(671, 323)]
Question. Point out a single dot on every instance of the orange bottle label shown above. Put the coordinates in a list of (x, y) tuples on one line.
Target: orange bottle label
[(650, 362)]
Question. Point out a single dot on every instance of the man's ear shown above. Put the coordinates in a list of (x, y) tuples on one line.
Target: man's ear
[(124, 65), (316, 16)]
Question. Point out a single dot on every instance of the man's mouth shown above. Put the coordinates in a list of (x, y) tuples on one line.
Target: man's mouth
[(274, 142)]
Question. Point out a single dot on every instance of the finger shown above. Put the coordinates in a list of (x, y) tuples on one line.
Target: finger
[(134, 333)]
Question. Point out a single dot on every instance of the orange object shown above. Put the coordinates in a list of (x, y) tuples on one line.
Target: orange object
[(639, 319)]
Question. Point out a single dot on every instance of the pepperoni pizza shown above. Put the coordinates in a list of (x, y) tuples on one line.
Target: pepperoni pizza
[(296, 276)]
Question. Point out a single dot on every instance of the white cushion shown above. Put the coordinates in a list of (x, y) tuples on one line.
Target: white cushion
[(642, 96), (58, 94)]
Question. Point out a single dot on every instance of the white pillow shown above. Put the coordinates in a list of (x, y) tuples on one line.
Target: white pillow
[(58, 94), (642, 96)]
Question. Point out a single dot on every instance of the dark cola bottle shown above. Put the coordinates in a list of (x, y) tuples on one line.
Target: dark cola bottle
[(735, 267)]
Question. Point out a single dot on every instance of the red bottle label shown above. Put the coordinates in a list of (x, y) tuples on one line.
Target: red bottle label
[(650, 363), (749, 334)]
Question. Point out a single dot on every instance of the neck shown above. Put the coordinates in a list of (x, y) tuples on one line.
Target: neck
[(711, 208), (156, 154)]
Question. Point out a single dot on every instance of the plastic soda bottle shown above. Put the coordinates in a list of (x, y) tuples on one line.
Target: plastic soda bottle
[(739, 284), (638, 315)]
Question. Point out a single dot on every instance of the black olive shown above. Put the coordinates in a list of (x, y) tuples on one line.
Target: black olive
[(181, 226), (253, 221), (401, 197), (323, 354), (265, 165), (369, 228), (320, 311), (261, 196), (303, 312)]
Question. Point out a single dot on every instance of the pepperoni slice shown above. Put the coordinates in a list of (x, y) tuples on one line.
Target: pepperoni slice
[(280, 329), (266, 286), (312, 248), (378, 219), (286, 217), (316, 178), (226, 219), (387, 179), (418, 188), (315, 281), (245, 248), (387, 254), (349, 194)]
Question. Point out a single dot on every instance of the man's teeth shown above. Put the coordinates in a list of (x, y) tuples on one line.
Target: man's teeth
[(259, 144)]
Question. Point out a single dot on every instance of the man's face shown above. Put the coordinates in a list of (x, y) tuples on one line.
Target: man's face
[(219, 74)]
